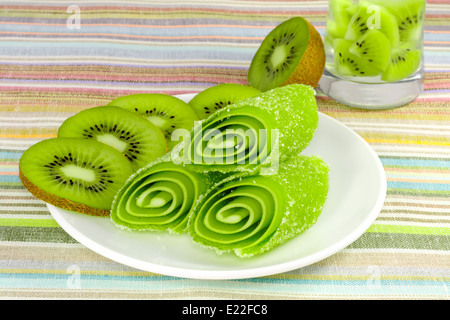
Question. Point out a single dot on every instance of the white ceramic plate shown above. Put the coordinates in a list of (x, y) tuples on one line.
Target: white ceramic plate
[(356, 196)]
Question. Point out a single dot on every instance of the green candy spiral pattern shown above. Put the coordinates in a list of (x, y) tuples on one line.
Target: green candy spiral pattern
[(241, 213), (251, 214), (256, 132), (158, 197), (240, 137)]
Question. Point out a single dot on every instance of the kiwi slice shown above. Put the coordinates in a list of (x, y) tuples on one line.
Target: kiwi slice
[(74, 174), (404, 62), (373, 48), (293, 52), (372, 16), (409, 15), (340, 13), (350, 65), (138, 139), (217, 97), (166, 112)]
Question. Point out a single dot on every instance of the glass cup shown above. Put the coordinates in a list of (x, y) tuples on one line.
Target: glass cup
[(374, 52)]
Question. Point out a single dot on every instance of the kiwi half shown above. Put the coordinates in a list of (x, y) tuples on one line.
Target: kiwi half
[(74, 174), (166, 112), (293, 52), (138, 139), (217, 97)]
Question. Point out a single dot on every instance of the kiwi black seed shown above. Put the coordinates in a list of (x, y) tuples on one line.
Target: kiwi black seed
[(138, 139), (75, 174), (166, 112), (219, 96)]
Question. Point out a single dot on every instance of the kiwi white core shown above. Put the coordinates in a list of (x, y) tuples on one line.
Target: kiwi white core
[(76, 172), (278, 55), (111, 140), (157, 121)]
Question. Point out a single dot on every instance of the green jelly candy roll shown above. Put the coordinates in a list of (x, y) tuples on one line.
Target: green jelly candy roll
[(159, 196), (257, 132), (252, 214)]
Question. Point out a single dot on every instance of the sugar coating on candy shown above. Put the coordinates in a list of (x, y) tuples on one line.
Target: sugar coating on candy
[(294, 109), (299, 191), (306, 184)]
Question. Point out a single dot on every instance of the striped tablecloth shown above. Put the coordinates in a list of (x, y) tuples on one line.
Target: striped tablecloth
[(50, 69)]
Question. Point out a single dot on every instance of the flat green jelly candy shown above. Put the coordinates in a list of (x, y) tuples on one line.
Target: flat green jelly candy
[(252, 214), (259, 131)]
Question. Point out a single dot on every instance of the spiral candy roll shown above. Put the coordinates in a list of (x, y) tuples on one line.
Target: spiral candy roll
[(256, 132), (159, 197), (251, 214)]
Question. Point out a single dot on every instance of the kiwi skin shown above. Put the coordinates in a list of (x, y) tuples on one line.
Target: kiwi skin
[(312, 64), (61, 202)]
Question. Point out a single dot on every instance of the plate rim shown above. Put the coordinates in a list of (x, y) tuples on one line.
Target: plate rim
[(253, 272)]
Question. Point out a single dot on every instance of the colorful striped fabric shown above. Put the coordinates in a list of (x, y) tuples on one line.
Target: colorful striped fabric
[(50, 69)]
